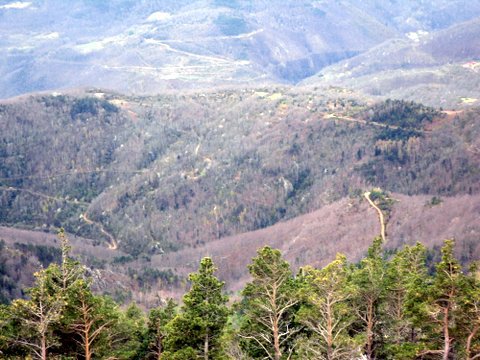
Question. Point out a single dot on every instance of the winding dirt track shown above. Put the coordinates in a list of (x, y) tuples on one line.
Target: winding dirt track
[(359, 121), (113, 243), (44, 196), (380, 216)]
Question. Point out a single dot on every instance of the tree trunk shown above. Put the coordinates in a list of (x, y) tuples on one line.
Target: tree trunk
[(370, 323), (329, 332), (205, 347), (468, 349), (276, 340), (160, 348), (446, 335), (44, 347), (88, 356)]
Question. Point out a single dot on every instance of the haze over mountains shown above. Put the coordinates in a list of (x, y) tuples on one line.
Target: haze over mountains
[(146, 46), (438, 69)]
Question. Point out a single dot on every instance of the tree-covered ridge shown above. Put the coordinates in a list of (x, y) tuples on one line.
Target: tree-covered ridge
[(401, 119), (159, 174), (386, 306), (404, 114)]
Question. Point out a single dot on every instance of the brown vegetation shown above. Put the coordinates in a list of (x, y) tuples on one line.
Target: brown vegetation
[(203, 173)]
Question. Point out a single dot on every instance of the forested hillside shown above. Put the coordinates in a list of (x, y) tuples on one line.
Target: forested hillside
[(204, 179), (152, 175), (402, 304), (150, 184), (159, 174)]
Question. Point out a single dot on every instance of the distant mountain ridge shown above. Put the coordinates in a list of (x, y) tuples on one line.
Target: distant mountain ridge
[(438, 69), (148, 46)]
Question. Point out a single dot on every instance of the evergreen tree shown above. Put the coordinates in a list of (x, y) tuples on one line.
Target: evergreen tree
[(327, 312), (268, 307), (369, 281), (158, 318), (35, 320), (470, 311), (198, 328), (71, 270), (127, 334), (89, 320), (442, 310), (406, 284)]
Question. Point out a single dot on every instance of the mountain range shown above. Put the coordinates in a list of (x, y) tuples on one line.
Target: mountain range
[(438, 69), (142, 47)]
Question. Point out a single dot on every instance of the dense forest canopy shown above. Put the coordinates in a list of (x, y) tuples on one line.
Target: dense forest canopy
[(389, 305)]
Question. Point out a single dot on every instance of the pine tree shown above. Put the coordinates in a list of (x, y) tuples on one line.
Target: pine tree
[(127, 333), (327, 312), (199, 326), (71, 270), (442, 305), (369, 281), (268, 307), (406, 284), (36, 319), (156, 333), (470, 311), (89, 320)]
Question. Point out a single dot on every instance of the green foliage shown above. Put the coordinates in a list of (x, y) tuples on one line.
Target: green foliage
[(168, 161), (94, 320), (63, 317), (130, 330), (268, 307), (123, 259), (397, 134), (34, 321), (369, 280), (203, 316), (148, 277), (91, 106), (45, 254), (386, 306), (327, 312), (402, 114), (154, 339), (382, 199), (406, 284), (434, 201)]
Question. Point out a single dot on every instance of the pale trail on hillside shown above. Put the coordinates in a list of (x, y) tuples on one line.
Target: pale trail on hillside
[(380, 215)]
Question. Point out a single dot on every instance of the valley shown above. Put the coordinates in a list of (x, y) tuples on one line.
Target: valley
[(237, 179), (162, 181), (147, 47)]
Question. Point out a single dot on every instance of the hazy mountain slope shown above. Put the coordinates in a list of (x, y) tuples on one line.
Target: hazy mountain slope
[(412, 15), (163, 173), (347, 226), (146, 46), (438, 69)]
